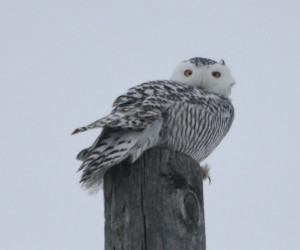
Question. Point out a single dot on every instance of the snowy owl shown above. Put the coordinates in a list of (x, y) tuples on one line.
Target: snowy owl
[(191, 113)]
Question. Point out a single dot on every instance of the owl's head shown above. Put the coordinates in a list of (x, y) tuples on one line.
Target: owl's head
[(205, 73)]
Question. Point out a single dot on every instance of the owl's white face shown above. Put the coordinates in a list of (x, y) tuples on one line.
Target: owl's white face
[(215, 78)]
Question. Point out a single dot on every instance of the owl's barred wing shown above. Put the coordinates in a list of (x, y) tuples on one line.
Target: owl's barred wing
[(130, 119), (143, 104), (135, 116)]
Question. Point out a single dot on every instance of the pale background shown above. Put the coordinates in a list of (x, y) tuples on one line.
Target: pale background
[(62, 63)]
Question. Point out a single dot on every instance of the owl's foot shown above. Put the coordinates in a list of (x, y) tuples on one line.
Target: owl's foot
[(205, 172)]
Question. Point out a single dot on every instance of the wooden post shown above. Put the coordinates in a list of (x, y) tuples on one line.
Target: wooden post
[(155, 203)]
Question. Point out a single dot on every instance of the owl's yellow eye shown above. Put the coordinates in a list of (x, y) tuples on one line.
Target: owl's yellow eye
[(188, 73), (216, 74)]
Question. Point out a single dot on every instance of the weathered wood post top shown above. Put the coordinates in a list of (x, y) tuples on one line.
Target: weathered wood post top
[(155, 203)]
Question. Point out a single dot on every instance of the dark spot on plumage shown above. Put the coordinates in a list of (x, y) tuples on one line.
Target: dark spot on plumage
[(114, 151), (121, 142), (83, 178), (76, 131), (181, 90), (101, 144), (87, 172), (110, 159), (109, 148), (166, 87)]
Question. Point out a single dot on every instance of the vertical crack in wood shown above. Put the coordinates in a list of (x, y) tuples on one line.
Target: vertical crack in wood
[(143, 165)]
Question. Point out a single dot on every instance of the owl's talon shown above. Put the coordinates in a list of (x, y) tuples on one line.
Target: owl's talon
[(205, 172)]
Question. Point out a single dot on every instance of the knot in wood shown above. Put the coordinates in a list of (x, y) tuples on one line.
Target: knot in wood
[(192, 207)]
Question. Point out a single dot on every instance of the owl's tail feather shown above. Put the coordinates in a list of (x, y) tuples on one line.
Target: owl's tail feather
[(109, 149), (112, 147)]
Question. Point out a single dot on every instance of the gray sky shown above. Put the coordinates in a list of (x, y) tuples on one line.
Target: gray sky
[(62, 63)]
